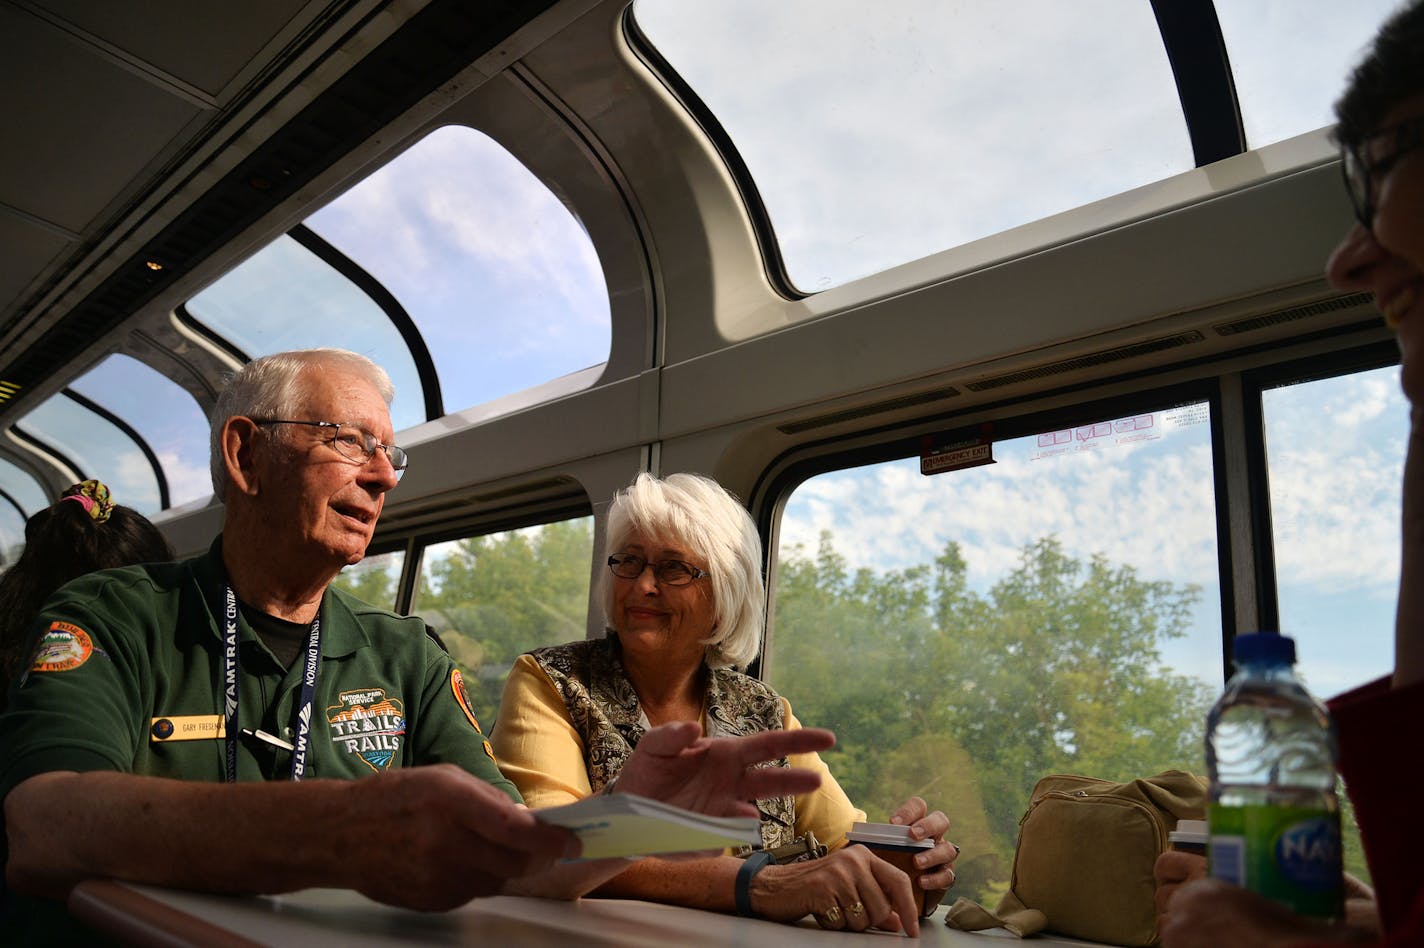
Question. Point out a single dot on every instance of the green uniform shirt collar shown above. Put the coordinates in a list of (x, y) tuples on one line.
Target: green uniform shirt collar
[(341, 634)]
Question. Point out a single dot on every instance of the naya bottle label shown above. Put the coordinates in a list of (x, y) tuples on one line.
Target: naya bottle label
[(1289, 854)]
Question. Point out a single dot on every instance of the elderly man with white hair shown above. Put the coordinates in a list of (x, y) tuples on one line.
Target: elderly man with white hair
[(202, 724)]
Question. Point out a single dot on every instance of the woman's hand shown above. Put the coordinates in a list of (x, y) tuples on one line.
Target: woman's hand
[(925, 825), (1361, 907), (851, 889), (1209, 913), (1172, 870), (676, 764)]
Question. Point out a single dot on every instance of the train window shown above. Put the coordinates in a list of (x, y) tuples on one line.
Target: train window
[(491, 598), (286, 297), (1289, 59), (878, 134), (95, 447), (22, 488), (1335, 450), (969, 632), (20, 497), (499, 276), (165, 416), (12, 532), (376, 579)]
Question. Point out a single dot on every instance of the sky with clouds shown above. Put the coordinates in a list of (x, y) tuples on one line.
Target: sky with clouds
[(933, 124), (1143, 496), (499, 276)]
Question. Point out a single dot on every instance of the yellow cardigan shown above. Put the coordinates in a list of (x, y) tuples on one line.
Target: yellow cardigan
[(540, 751)]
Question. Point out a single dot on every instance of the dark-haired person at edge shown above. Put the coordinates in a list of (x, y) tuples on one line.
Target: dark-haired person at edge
[(83, 531), (201, 724), (685, 604), (1381, 136)]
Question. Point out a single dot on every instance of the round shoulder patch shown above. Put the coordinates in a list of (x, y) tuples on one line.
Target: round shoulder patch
[(63, 648), (457, 685)]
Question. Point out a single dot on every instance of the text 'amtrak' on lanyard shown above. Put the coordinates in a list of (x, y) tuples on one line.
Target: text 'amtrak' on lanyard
[(302, 743)]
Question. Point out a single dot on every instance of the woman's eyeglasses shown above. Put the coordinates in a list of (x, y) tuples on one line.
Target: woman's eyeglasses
[(667, 572)]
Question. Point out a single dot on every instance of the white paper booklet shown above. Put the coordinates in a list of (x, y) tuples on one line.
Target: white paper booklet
[(622, 824)]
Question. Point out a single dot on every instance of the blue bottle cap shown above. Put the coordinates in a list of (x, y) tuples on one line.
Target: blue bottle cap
[(1264, 647)]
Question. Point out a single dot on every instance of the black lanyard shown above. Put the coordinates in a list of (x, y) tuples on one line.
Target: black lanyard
[(302, 742)]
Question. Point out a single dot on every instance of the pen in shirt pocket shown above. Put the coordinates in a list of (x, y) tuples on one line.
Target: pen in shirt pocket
[(267, 738)]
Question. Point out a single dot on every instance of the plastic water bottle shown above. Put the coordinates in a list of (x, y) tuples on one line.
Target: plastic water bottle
[(1274, 820)]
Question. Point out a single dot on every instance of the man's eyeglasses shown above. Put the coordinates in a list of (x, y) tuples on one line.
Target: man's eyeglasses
[(667, 572), (1362, 175), (352, 441)]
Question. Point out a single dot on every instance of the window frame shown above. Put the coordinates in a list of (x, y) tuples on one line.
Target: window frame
[(1196, 53), (1231, 386)]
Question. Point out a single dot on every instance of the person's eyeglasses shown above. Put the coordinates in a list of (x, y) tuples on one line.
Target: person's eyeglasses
[(1361, 175), (668, 572), (351, 441)]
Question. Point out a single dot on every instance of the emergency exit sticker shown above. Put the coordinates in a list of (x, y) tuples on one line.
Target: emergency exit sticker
[(956, 455)]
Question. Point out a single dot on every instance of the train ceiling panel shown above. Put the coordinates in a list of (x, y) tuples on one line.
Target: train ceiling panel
[(154, 152), (205, 46), (101, 98)]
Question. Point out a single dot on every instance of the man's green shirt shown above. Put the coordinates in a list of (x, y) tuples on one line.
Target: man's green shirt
[(128, 662)]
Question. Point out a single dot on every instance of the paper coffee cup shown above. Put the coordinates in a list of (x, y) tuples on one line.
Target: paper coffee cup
[(892, 843)]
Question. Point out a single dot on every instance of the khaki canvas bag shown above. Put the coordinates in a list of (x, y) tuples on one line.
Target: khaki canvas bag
[(1083, 863)]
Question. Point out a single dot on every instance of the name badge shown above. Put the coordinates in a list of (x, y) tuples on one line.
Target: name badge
[(187, 727)]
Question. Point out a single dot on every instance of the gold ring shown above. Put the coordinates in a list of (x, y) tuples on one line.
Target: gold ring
[(833, 914), (856, 910)]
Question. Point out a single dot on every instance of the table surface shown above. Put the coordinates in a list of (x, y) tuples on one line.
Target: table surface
[(145, 915)]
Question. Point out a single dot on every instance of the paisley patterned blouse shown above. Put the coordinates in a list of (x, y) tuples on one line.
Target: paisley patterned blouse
[(604, 710)]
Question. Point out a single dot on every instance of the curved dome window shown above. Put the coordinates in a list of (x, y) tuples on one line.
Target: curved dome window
[(498, 276), (22, 488), (880, 133), (95, 447), (1289, 59), (21, 496), (164, 415), (12, 533), (287, 297)]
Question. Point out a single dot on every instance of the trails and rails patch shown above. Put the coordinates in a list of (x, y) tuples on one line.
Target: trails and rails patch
[(368, 725), (62, 648)]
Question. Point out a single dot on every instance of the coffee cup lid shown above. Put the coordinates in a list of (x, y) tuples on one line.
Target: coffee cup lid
[(1189, 831), (886, 834)]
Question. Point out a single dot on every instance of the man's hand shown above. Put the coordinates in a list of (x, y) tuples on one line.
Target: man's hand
[(716, 776), (451, 837), (419, 837)]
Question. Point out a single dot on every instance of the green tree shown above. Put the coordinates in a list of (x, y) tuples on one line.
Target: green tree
[(491, 598), (968, 699), (1060, 671), (374, 584)]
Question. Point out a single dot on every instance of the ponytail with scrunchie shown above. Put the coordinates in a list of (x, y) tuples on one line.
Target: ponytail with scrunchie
[(59, 547), (93, 495)]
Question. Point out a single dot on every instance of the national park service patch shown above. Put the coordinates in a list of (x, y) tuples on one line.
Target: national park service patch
[(368, 725)]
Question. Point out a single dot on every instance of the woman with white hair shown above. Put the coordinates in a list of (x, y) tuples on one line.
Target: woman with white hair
[(684, 602)]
